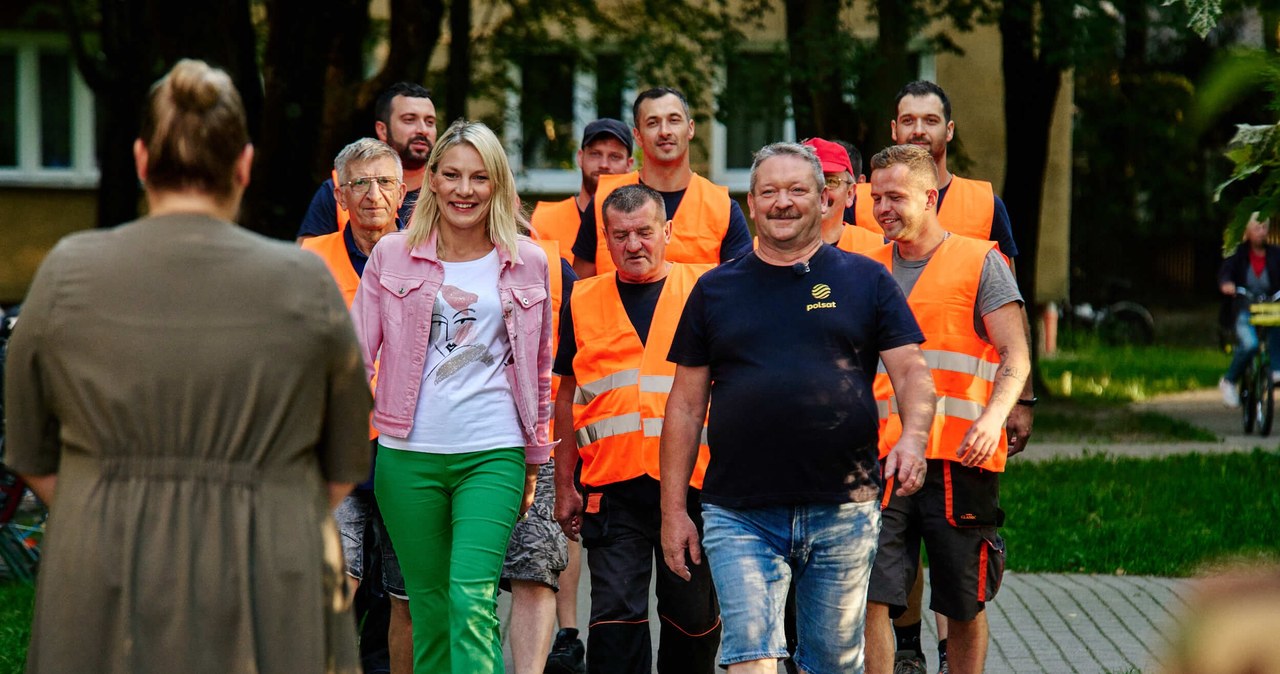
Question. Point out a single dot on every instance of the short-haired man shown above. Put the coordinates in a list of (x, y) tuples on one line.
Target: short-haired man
[(965, 206), (606, 150), (840, 180), (370, 188), (789, 337), (707, 227), (405, 119), (966, 301), (615, 377)]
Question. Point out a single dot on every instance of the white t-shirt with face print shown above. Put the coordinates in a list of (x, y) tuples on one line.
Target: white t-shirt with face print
[(465, 403)]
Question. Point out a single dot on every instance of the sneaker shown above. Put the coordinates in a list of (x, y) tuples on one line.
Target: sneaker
[(1230, 396), (909, 662), (568, 654)]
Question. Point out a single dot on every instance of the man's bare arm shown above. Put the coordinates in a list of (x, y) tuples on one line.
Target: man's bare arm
[(568, 507), (1005, 328), (917, 403), (678, 453)]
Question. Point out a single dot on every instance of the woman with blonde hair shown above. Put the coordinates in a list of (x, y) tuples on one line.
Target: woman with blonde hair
[(187, 398), (458, 312)]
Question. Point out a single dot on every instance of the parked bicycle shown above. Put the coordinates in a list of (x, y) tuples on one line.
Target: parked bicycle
[(1256, 385)]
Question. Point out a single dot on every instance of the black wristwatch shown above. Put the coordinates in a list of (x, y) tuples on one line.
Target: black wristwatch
[(1028, 402)]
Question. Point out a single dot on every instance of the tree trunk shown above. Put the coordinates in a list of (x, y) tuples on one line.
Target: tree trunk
[(816, 55), (875, 101), (458, 76), (1030, 94)]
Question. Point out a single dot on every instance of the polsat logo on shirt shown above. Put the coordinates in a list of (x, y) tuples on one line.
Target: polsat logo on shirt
[(820, 291)]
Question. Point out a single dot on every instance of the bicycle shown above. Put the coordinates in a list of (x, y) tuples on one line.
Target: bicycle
[(1257, 389)]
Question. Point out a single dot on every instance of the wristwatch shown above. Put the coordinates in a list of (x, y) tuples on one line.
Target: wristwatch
[(1028, 402)]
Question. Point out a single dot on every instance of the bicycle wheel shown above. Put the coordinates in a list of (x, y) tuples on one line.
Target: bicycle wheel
[(1266, 401), (1248, 409)]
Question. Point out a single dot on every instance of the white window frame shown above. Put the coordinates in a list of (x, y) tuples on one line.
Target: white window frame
[(552, 181), (83, 172)]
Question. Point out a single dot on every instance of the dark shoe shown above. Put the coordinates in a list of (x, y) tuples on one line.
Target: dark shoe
[(568, 654), (909, 662)]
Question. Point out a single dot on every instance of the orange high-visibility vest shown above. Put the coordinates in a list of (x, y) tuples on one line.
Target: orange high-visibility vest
[(623, 385), (558, 221), (697, 230), (555, 277), (968, 210), (342, 214), (963, 366), (859, 240), (332, 248)]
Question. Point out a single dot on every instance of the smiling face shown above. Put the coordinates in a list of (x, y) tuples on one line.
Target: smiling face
[(786, 203), (901, 202), (462, 188), (411, 130), (637, 242), (922, 121), (664, 130)]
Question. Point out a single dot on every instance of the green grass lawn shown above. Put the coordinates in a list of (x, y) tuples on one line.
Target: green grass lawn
[(15, 625), (1125, 374), (1170, 516)]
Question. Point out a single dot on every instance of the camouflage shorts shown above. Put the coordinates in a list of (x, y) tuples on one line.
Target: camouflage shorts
[(538, 550)]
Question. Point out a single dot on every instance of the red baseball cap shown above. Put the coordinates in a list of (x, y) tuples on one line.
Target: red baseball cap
[(832, 157)]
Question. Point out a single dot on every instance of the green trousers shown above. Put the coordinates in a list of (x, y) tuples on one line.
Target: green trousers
[(449, 517)]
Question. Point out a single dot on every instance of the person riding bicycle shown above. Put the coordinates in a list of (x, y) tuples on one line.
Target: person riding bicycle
[(1254, 266)]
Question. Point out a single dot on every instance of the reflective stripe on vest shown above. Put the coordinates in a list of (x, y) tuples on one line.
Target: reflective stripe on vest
[(968, 209), (697, 228), (558, 221), (341, 215), (963, 366), (618, 406)]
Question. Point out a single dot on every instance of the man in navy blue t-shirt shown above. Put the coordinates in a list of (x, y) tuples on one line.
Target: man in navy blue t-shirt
[(788, 337)]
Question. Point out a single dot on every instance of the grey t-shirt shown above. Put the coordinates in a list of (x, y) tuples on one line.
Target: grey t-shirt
[(996, 288)]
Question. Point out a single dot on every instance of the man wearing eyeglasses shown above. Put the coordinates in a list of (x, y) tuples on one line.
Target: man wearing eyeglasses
[(838, 172), (371, 189), (406, 120)]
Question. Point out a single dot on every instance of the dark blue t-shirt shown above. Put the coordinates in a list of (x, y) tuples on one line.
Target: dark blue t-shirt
[(322, 214), (736, 242), (792, 357)]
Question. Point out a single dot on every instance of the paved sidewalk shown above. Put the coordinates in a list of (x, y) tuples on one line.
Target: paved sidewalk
[(1074, 623)]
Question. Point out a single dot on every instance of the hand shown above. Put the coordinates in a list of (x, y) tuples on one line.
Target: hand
[(568, 511), (1228, 288), (530, 487), (678, 535), (906, 465), (981, 442), (1018, 427)]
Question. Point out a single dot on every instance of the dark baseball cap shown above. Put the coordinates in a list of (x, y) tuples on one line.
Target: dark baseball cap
[(611, 128)]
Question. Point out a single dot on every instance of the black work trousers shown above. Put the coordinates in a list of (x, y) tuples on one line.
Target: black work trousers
[(621, 531)]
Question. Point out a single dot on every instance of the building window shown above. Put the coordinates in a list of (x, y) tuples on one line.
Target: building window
[(46, 114), (755, 110), (545, 117)]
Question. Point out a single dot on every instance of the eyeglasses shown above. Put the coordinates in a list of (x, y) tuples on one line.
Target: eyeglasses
[(834, 182), (363, 185)]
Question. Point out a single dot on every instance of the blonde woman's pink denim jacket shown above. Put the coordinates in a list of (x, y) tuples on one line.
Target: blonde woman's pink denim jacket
[(392, 314)]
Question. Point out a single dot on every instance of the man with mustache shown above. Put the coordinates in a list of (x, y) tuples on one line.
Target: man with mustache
[(612, 360), (790, 335), (965, 206), (406, 120), (707, 225)]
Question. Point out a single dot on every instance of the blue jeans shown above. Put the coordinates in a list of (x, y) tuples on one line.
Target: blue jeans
[(829, 549), (1247, 346)]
